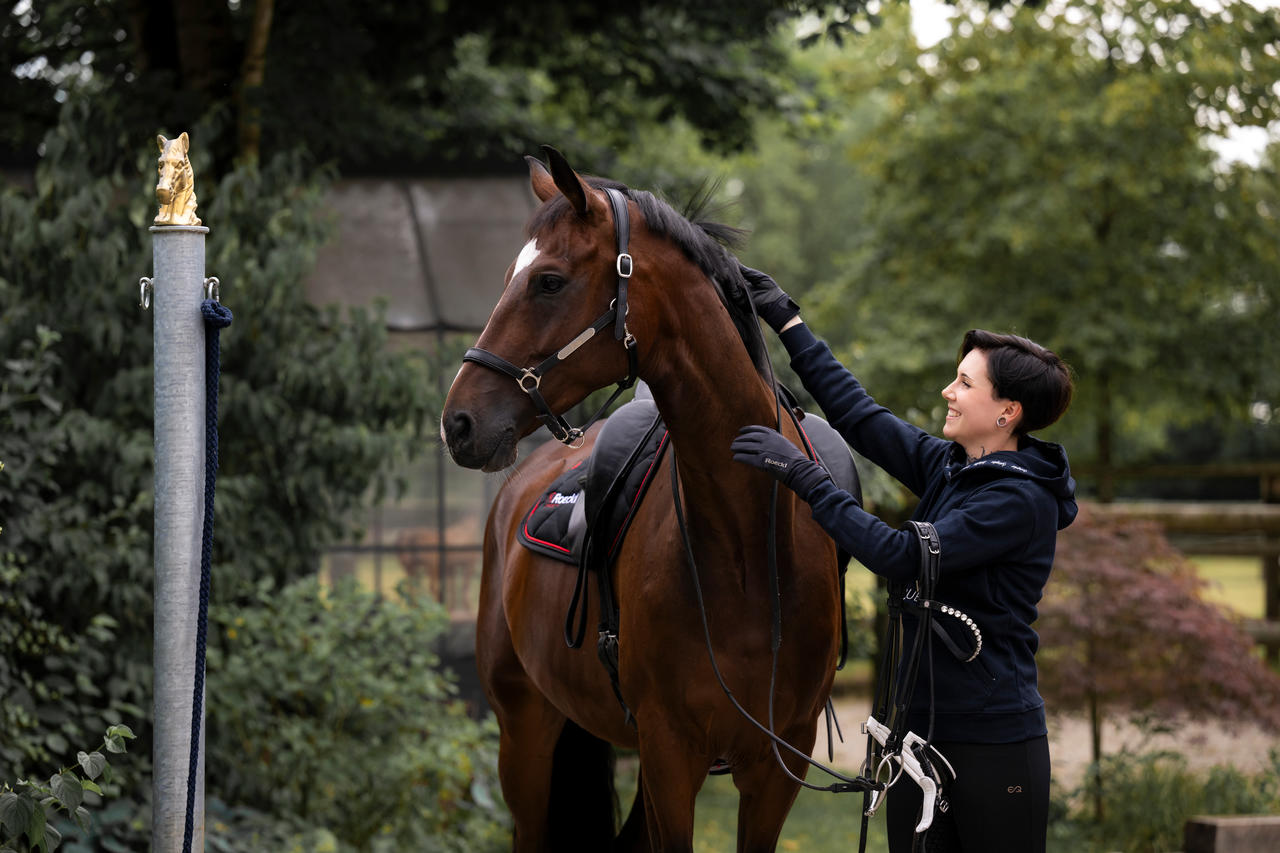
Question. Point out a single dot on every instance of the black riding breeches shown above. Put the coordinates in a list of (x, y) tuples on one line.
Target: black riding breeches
[(999, 802)]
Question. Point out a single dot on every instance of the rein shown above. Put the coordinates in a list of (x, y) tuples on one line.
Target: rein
[(530, 378), (846, 783)]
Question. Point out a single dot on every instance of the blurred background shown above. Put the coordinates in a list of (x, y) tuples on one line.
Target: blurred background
[(1099, 175)]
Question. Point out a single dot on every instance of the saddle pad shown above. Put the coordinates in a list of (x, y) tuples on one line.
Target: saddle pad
[(557, 523), (583, 515)]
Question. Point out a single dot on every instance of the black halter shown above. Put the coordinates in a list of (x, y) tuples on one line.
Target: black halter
[(530, 378)]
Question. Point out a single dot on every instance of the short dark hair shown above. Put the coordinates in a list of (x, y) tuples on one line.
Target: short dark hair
[(1022, 370)]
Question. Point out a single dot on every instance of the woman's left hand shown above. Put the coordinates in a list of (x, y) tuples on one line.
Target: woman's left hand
[(771, 452)]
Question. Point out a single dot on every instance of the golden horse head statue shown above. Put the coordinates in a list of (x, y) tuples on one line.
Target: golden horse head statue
[(176, 189)]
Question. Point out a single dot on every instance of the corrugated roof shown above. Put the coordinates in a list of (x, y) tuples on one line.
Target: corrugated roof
[(435, 249)]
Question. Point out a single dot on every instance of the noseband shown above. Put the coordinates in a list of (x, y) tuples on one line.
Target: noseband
[(530, 378)]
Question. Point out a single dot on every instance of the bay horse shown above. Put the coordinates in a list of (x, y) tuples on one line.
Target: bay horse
[(695, 342)]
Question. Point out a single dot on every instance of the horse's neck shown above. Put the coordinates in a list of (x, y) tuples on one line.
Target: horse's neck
[(707, 388)]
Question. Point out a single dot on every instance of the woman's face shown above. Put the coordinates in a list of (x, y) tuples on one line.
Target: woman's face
[(973, 408)]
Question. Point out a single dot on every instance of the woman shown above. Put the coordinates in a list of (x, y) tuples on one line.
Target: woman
[(997, 498)]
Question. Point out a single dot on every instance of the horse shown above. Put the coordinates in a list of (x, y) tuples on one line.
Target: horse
[(691, 336), (176, 185)]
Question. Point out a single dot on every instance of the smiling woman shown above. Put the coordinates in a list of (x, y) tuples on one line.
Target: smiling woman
[(985, 408), (996, 497)]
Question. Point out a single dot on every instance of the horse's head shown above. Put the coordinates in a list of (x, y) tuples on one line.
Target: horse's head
[(173, 167), (550, 340)]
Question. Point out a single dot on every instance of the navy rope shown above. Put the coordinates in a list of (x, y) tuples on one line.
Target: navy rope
[(216, 318)]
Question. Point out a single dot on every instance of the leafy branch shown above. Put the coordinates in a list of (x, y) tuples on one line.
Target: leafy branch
[(25, 812)]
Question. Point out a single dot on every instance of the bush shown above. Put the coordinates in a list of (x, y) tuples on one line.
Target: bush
[(328, 705), (1150, 797), (28, 812), (316, 414)]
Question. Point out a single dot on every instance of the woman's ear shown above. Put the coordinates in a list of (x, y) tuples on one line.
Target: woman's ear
[(1012, 412)]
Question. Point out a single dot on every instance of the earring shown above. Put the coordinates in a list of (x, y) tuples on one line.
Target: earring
[(1001, 421)]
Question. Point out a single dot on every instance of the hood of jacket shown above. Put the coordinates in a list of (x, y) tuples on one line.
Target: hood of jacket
[(1040, 461)]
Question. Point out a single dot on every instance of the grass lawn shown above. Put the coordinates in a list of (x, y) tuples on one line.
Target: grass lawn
[(818, 822), (1235, 582)]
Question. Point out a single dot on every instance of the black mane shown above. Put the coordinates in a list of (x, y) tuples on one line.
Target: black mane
[(705, 243)]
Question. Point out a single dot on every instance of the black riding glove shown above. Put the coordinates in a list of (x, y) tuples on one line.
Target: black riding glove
[(771, 452), (772, 303)]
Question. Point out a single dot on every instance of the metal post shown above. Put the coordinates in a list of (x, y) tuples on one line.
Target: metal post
[(177, 290)]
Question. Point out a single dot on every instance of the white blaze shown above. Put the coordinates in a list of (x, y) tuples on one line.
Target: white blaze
[(526, 257)]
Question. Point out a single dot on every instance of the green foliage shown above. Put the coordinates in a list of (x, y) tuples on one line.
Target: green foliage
[(316, 414), (27, 811), (328, 705), (55, 665), (1046, 171), (1150, 796), (384, 86)]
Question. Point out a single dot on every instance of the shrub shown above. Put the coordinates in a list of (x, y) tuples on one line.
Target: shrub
[(28, 812), (328, 705), (1150, 796), (316, 412)]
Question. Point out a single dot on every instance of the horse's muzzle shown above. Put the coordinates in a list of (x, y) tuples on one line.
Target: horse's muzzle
[(471, 446)]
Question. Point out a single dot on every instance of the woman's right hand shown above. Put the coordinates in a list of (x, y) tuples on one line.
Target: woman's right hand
[(772, 303)]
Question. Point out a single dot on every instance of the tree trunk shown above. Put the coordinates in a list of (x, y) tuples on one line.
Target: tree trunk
[(252, 74), (1095, 732), (1106, 473), (203, 32)]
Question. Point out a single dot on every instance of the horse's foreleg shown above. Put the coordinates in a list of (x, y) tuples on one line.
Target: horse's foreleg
[(766, 794), (671, 776), (530, 727), (528, 724)]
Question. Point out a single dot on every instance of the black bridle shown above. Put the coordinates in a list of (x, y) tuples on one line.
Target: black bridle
[(530, 378)]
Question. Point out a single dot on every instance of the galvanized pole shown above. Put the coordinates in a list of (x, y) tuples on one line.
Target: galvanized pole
[(177, 290)]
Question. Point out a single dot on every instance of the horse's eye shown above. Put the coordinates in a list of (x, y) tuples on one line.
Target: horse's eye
[(550, 283)]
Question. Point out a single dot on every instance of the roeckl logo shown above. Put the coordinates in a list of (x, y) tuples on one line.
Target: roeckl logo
[(774, 462), (557, 498)]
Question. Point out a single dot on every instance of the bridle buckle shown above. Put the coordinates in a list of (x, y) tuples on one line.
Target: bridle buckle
[(625, 265)]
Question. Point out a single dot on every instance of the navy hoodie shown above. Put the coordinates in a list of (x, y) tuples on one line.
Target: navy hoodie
[(997, 520)]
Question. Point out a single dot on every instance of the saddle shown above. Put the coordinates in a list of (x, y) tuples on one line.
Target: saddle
[(583, 516)]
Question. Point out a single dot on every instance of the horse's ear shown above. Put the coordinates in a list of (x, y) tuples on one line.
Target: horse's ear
[(184, 143), (543, 186), (161, 141), (567, 180)]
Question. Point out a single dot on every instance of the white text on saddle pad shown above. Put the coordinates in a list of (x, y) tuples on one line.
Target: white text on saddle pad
[(558, 498)]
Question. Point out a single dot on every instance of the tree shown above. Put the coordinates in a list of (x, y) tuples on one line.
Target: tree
[(1123, 627), (316, 414), (1046, 171), (394, 86)]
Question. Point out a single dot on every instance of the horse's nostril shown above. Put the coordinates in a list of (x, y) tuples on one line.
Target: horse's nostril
[(458, 427)]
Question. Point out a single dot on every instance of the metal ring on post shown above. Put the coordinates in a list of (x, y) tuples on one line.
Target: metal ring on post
[(144, 294), (211, 288)]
